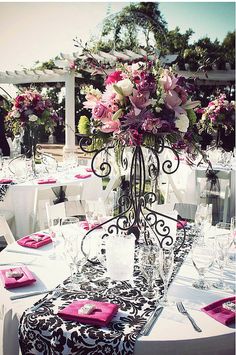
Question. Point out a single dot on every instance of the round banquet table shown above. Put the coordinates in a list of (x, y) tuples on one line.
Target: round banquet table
[(171, 334), (20, 197)]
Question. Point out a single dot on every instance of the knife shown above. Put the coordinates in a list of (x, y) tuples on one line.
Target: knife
[(22, 252), (151, 320), (29, 294)]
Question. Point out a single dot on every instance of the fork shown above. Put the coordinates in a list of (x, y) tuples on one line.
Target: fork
[(54, 295), (182, 310)]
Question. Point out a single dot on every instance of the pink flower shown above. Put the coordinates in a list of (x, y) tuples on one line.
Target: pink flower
[(135, 137), (168, 81), (172, 100), (110, 126), (99, 111), (91, 102), (114, 77), (152, 125), (139, 101)]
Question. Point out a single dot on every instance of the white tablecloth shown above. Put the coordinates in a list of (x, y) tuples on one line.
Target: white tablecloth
[(172, 333), (20, 199)]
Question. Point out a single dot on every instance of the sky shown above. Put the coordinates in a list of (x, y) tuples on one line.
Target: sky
[(32, 31)]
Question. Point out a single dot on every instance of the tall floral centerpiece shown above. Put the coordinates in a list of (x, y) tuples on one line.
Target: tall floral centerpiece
[(140, 102), (30, 110), (147, 108), (217, 118)]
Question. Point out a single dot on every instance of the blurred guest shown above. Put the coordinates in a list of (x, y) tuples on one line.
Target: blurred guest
[(4, 146)]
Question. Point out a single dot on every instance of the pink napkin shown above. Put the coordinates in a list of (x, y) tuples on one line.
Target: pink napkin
[(12, 282), (89, 170), (81, 176), (181, 224), (47, 181), (101, 315), (5, 181), (28, 242), (217, 311), (87, 226)]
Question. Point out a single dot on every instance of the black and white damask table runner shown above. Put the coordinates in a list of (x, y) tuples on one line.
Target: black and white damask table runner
[(44, 332)]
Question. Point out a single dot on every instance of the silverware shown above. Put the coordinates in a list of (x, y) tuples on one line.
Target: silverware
[(29, 294), (56, 293), (151, 320), (22, 252), (182, 310)]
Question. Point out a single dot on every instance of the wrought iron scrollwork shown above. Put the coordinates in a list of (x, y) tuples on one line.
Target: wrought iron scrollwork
[(137, 206)]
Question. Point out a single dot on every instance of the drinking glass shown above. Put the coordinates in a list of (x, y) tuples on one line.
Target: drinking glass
[(54, 229), (200, 217), (166, 259), (202, 258), (72, 248), (222, 244), (149, 266), (233, 239)]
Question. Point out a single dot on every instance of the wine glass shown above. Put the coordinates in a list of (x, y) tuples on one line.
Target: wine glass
[(149, 266), (166, 269), (222, 244), (232, 238), (202, 258), (200, 216), (54, 230)]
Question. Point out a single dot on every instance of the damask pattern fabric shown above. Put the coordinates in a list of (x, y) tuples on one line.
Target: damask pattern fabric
[(44, 332)]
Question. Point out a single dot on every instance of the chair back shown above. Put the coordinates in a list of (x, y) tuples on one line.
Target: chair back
[(186, 210), (5, 231)]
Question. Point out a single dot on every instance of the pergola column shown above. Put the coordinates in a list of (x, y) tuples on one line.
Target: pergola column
[(70, 113)]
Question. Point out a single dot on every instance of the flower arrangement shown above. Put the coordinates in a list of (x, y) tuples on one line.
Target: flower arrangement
[(220, 113), (141, 102), (31, 109)]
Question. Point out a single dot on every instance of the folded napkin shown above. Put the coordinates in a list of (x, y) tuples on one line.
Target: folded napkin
[(181, 224), (46, 181), (82, 176), (220, 311), (5, 181), (102, 313), (35, 240), (16, 277), (89, 170), (87, 226)]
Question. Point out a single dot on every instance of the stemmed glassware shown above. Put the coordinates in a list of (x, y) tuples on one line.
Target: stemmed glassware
[(72, 248), (149, 265), (54, 229), (166, 267), (222, 244), (202, 258)]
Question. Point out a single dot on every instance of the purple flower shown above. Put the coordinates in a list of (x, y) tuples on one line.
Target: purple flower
[(147, 82), (139, 101)]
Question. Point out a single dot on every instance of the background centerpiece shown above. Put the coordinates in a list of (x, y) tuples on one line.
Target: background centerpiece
[(29, 111), (143, 107)]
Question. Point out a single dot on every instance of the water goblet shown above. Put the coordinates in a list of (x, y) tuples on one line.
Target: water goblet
[(54, 230), (166, 259), (202, 258), (222, 244), (149, 265)]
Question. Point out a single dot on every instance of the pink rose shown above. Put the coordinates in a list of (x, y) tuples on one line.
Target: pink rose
[(114, 77), (99, 111)]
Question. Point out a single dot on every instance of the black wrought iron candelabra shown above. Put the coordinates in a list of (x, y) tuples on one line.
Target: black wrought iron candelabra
[(136, 206)]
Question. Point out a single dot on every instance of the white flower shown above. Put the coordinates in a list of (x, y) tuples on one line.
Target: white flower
[(16, 114), (126, 86), (158, 109), (182, 123), (33, 118)]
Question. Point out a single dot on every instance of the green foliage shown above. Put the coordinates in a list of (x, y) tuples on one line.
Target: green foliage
[(84, 125)]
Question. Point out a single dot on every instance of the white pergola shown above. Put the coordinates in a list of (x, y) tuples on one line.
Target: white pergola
[(67, 75)]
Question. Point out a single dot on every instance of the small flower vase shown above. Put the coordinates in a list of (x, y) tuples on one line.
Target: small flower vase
[(29, 141)]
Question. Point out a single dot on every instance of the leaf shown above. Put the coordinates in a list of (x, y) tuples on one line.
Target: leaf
[(118, 90), (117, 115)]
